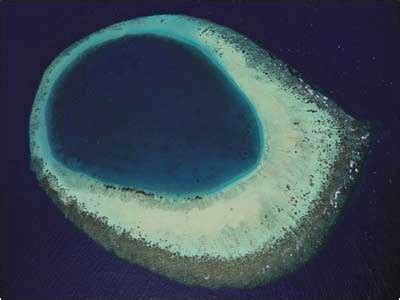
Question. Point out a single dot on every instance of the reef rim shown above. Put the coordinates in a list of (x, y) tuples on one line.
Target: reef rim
[(228, 252)]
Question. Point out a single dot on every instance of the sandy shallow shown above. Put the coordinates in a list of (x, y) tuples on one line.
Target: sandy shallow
[(256, 228)]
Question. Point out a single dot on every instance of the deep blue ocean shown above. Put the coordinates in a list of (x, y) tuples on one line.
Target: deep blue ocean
[(136, 111), (350, 51)]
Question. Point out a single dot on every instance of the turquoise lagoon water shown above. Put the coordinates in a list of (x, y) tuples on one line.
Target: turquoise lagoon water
[(154, 114)]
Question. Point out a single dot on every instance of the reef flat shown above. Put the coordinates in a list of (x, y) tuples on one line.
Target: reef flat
[(256, 228)]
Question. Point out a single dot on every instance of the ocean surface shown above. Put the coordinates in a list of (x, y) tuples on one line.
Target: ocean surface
[(350, 51), (153, 114)]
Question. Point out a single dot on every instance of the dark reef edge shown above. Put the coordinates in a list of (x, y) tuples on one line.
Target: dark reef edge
[(245, 272)]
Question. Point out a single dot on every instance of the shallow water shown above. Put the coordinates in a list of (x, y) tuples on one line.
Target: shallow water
[(153, 114)]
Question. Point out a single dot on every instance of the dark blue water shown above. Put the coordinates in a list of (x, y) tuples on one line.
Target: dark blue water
[(45, 257), (152, 113)]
